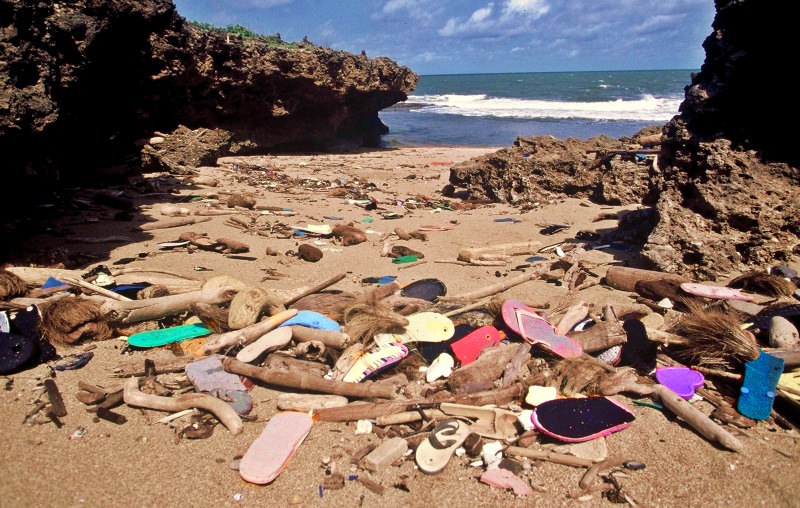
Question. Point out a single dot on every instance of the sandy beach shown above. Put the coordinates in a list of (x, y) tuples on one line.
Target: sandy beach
[(93, 462)]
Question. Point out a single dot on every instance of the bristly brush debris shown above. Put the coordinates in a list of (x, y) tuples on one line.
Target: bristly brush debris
[(369, 316), (764, 284), (714, 338)]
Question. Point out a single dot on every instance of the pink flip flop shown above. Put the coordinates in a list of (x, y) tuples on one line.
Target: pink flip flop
[(536, 330), (277, 444)]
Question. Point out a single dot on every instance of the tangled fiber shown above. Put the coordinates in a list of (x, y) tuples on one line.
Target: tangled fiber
[(11, 285), (369, 316), (69, 320), (764, 284)]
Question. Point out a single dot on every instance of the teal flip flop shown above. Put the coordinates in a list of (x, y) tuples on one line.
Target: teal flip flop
[(155, 338)]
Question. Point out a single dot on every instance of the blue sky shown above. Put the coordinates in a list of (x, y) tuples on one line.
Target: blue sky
[(466, 36)]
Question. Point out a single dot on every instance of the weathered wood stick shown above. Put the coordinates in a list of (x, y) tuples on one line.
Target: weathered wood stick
[(360, 411), (495, 288), (589, 476), (467, 308), (511, 370), (155, 308), (285, 363), (624, 278), (330, 338), (95, 289), (310, 383), (174, 223), (246, 335), (506, 249), (37, 276), (134, 366), (488, 367), (315, 289), (558, 458), (221, 409)]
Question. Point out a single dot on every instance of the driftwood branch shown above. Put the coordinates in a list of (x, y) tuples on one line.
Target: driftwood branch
[(490, 253), (310, 383), (315, 289), (221, 409), (155, 308), (495, 288)]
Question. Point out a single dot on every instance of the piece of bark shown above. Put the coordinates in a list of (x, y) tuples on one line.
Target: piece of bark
[(601, 336), (221, 409), (488, 367), (156, 308), (558, 458), (306, 402), (511, 370), (506, 249), (624, 278), (54, 396), (95, 289), (310, 383), (174, 223)]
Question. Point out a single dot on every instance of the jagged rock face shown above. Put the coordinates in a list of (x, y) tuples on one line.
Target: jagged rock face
[(81, 80), (535, 171)]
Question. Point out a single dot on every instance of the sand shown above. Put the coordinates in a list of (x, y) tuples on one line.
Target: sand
[(91, 462)]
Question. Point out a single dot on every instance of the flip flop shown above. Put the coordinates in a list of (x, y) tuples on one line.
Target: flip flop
[(164, 336), (312, 319), (375, 360), (269, 454), (424, 289), (468, 348), (717, 292), (208, 376), (681, 380), (575, 420), (16, 351), (421, 327), (271, 341), (433, 454), (536, 330)]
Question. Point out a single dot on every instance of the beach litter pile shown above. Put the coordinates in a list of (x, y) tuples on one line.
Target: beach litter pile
[(478, 379)]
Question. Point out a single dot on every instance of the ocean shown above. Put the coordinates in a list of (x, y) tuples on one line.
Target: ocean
[(494, 109)]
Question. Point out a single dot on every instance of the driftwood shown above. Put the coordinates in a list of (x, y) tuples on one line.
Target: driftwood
[(155, 308), (470, 254), (511, 370), (246, 335), (624, 278), (37, 276), (601, 336), (286, 363), (360, 411), (330, 338), (221, 409), (495, 288), (558, 458), (487, 368), (315, 289), (174, 223), (310, 383), (95, 289)]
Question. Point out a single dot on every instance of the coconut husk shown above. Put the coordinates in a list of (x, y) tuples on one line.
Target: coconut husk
[(577, 376), (398, 251), (369, 316), (714, 339), (11, 285), (154, 291), (221, 281), (248, 305), (69, 320), (242, 200), (308, 252), (141, 326), (349, 235), (330, 303), (214, 317), (657, 290), (763, 284)]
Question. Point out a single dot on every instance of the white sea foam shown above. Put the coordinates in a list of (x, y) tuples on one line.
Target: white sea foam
[(645, 109)]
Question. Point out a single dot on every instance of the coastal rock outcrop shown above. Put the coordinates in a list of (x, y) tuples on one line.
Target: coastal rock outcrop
[(724, 184), (81, 81)]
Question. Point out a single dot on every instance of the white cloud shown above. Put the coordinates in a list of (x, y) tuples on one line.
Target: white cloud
[(266, 4), (514, 16), (531, 8), (481, 14)]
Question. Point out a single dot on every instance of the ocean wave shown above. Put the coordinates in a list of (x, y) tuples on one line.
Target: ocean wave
[(647, 108)]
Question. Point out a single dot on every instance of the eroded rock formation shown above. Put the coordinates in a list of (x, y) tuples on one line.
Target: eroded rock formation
[(80, 81), (725, 187)]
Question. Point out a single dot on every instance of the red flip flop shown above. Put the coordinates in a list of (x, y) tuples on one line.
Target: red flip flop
[(536, 330)]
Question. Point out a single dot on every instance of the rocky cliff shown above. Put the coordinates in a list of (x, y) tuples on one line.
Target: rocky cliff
[(724, 184), (81, 80)]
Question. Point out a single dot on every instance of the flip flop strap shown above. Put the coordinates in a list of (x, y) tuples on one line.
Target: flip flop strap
[(446, 428)]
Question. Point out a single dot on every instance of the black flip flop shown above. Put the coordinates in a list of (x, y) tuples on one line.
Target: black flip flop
[(16, 352)]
